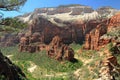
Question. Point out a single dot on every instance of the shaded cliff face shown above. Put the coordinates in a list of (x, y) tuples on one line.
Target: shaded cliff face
[(9, 71)]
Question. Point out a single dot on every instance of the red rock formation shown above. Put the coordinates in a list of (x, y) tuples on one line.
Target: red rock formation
[(92, 39), (32, 48), (59, 51), (43, 31), (35, 37), (114, 21), (72, 32), (31, 44)]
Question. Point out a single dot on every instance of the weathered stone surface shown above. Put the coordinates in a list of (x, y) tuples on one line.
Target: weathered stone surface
[(43, 31), (114, 22), (32, 47), (31, 43), (104, 41), (109, 66), (9, 70), (92, 39), (59, 51), (72, 32)]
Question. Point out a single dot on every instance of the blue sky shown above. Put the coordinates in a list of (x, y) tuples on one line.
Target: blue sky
[(30, 5)]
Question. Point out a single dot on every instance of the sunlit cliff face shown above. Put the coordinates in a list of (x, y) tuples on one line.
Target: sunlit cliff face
[(58, 15)]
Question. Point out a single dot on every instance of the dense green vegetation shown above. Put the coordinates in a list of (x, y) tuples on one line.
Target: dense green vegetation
[(75, 46), (9, 5), (2, 77), (12, 25), (50, 69), (45, 65)]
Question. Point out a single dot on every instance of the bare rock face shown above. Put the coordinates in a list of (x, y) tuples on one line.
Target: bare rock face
[(43, 31), (59, 51), (30, 44), (9, 70), (92, 39), (114, 21), (71, 32), (109, 66)]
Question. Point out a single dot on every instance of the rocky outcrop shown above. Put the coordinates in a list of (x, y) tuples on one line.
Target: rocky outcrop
[(92, 39), (29, 44), (114, 22), (9, 71), (109, 67), (59, 51)]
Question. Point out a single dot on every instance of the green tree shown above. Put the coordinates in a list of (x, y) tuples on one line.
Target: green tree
[(11, 5), (8, 5), (13, 23)]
